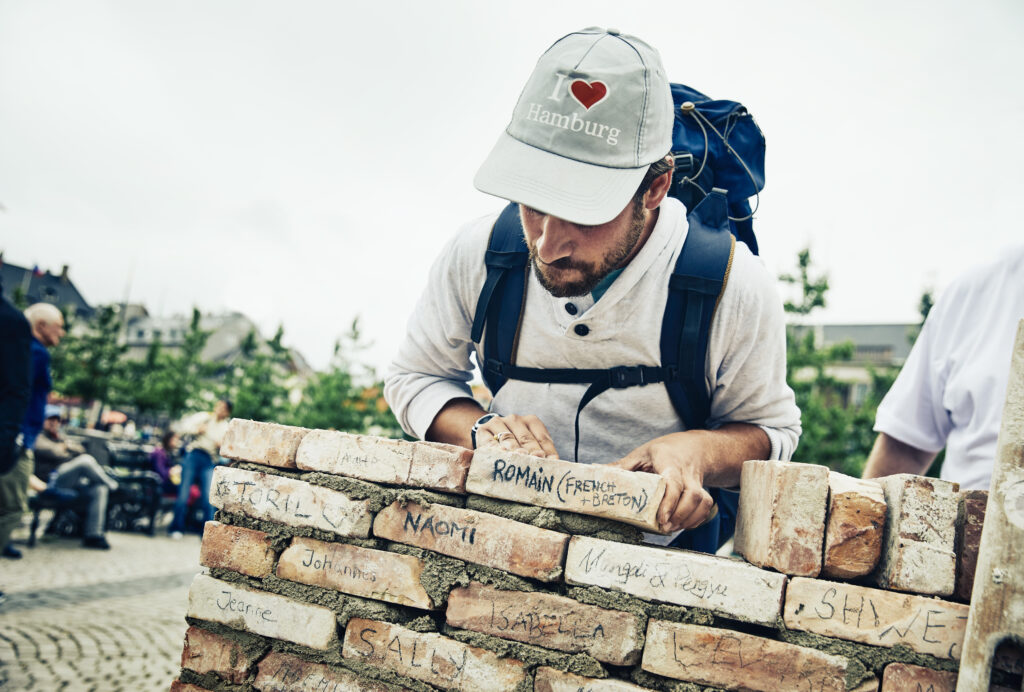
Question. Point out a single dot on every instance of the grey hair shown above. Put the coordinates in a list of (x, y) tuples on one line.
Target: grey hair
[(43, 313)]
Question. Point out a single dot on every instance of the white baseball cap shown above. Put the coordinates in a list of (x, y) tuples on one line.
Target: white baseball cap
[(595, 114)]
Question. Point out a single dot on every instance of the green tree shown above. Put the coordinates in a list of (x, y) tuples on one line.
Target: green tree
[(834, 434), (256, 381), (349, 396), (87, 363)]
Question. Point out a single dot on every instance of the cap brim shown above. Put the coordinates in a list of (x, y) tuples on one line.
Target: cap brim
[(572, 190)]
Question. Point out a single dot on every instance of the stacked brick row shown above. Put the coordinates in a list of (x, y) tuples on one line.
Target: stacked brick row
[(346, 562)]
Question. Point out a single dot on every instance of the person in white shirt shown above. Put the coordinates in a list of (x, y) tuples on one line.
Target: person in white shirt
[(603, 239), (950, 392), (206, 431)]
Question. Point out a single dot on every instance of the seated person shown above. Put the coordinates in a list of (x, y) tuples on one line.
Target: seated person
[(66, 466), (162, 461)]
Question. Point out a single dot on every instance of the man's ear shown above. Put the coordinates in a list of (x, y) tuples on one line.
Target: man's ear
[(657, 191)]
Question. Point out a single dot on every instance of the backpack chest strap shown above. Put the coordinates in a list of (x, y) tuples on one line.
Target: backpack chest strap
[(599, 379)]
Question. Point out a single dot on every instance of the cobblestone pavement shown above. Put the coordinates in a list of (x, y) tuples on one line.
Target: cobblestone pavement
[(79, 619)]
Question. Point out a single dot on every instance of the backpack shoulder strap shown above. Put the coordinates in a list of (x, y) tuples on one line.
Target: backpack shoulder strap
[(697, 283), (500, 304)]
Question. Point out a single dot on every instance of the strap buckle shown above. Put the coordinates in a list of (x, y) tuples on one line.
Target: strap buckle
[(495, 366), (627, 376)]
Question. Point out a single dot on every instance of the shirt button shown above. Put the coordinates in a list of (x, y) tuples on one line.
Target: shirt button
[(581, 329), (571, 308)]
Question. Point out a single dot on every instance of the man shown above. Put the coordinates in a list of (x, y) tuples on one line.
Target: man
[(63, 464), (586, 159), (207, 431), (46, 326), (950, 392), (15, 465)]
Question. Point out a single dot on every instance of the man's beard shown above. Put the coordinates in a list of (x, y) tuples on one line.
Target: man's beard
[(592, 273)]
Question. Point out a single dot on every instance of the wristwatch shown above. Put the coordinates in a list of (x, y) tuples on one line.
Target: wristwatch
[(476, 426)]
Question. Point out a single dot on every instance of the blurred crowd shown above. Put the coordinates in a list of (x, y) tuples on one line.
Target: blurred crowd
[(50, 460)]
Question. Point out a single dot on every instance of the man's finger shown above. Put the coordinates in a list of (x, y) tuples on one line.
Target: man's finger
[(666, 510), (542, 437), (630, 462), (693, 509)]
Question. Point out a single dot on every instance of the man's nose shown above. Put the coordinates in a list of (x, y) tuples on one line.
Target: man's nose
[(556, 239)]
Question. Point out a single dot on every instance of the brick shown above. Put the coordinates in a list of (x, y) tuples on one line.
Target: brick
[(381, 460), (232, 547), (902, 677), (552, 680), (353, 570), (476, 537), (876, 617), (179, 686), (262, 443), (554, 622), (288, 501), (723, 658), (366, 457), (627, 496), (781, 522), (854, 528), (270, 615), (729, 587), (438, 466), (918, 551), (970, 518), (286, 673), (206, 652), (430, 658)]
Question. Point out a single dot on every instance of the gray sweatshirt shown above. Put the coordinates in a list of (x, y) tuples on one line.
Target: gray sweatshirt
[(745, 369)]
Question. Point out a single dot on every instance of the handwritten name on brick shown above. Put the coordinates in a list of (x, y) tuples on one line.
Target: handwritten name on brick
[(729, 587), (206, 652), (375, 574), (552, 680), (626, 496), (476, 537), (382, 460), (430, 658), (554, 622), (877, 617), (239, 549), (287, 501), (734, 660), (262, 443), (287, 673), (262, 613)]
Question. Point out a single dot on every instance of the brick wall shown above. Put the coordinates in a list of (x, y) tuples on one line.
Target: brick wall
[(347, 562)]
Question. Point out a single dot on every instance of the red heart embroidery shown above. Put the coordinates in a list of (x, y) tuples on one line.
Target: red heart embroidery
[(588, 94)]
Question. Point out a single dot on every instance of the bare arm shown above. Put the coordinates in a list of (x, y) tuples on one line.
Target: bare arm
[(690, 460), (889, 456)]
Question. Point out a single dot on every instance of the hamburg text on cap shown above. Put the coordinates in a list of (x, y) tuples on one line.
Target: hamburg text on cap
[(595, 113)]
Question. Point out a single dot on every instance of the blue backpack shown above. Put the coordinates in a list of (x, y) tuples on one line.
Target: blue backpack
[(719, 153)]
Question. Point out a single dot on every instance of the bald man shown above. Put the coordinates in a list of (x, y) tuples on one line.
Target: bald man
[(47, 325)]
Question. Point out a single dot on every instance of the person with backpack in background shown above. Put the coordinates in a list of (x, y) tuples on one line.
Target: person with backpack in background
[(601, 338)]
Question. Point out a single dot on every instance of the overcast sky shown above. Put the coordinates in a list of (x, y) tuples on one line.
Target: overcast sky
[(301, 162)]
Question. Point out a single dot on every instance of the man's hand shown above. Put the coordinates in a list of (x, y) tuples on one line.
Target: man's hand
[(690, 460), (681, 463), (526, 434), (512, 433)]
